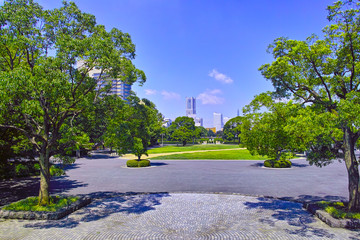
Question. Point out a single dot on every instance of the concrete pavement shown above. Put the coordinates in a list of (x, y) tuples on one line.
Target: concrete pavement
[(183, 210)]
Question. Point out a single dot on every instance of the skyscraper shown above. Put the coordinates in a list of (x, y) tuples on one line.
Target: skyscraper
[(190, 106), (218, 121)]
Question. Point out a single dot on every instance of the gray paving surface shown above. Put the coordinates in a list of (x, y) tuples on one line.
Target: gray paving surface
[(302, 182), (182, 212), (180, 216)]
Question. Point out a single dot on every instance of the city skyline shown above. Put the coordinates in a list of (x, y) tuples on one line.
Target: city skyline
[(210, 50)]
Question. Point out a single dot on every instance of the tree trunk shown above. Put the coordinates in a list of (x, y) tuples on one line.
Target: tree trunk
[(353, 171), (44, 197)]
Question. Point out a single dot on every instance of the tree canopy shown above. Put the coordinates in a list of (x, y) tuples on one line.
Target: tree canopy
[(323, 75), (41, 91), (184, 129)]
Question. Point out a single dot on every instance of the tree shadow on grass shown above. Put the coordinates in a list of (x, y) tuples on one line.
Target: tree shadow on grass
[(105, 204), (16, 189)]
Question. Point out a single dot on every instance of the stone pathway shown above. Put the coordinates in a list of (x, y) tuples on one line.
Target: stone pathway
[(180, 216)]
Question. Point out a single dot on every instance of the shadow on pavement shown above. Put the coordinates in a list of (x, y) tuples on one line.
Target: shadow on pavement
[(311, 198), (156, 164), (292, 213), (296, 165), (105, 204)]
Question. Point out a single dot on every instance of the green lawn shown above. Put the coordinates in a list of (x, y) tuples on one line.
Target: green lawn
[(241, 154), (167, 149)]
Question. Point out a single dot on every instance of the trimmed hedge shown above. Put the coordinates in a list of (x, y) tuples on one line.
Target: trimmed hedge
[(282, 163), (136, 163)]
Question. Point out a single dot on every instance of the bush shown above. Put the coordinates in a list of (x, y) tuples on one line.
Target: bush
[(144, 163), (22, 170), (282, 163), (136, 163)]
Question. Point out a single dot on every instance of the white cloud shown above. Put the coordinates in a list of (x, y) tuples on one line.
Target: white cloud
[(220, 77), (170, 95), (150, 92), (210, 97)]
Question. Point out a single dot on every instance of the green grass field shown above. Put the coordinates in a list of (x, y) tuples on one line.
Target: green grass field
[(168, 149), (241, 154)]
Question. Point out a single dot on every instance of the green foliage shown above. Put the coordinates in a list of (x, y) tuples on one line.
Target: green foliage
[(56, 171), (31, 204), (232, 129), (41, 93), (264, 133), (338, 210), (132, 127), (184, 129), (323, 76), (22, 170), (137, 163), (282, 163), (144, 163), (132, 163)]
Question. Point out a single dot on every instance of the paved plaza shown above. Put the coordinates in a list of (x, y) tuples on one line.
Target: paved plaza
[(181, 200)]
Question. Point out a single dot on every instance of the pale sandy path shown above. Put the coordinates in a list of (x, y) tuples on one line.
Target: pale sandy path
[(128, 156)]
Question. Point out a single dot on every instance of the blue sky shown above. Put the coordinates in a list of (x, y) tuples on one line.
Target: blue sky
[(208, 49)]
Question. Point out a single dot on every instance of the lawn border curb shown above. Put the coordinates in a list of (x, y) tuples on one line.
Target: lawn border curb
[(329, 220), (42, 215)]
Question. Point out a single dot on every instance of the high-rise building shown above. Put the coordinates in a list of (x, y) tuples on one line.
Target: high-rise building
[(218, 121), (191, 111), (118, 87), (167, 122), (190, 106)]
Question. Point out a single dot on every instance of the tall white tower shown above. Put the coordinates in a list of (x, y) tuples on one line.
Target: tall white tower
[(218, 121), (190, 106)]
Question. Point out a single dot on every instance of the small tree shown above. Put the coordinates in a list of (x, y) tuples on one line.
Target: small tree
[(138, 148)]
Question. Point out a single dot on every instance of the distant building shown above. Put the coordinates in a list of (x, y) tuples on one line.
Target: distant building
[(211, 129), (198, 122), (218, 121), (167, 122), (118, 87), (191, 111), (190, 106)]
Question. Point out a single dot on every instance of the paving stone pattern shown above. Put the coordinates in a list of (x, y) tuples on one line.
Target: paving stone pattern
[(180, 216)]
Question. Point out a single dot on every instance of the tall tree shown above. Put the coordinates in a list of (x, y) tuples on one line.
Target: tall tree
[(232, 129), (40, 90), (132, 126), (263, 129), (184, 129), (325, 75)]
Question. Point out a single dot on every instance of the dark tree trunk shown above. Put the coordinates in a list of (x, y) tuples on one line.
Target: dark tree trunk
[(44, 196), (352, 169)]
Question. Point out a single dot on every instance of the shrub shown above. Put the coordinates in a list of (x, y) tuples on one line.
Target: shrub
[(136, 163), (282, 163), (22, 170), (144, 163)]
